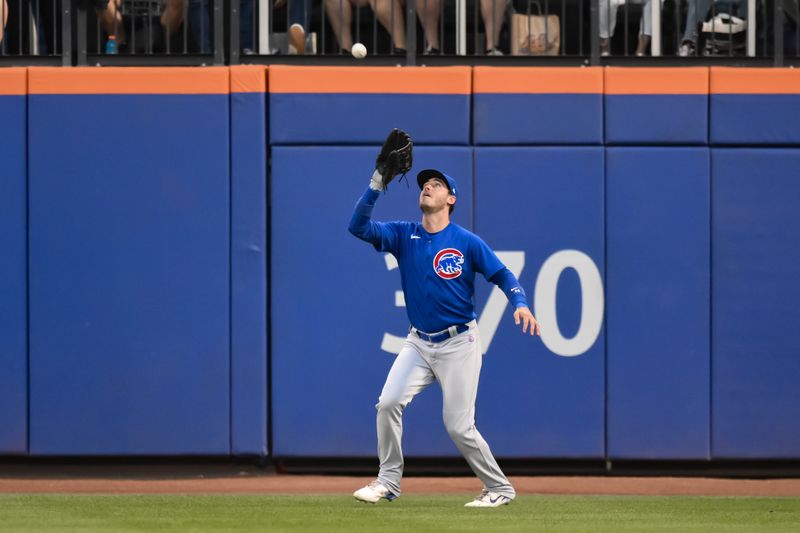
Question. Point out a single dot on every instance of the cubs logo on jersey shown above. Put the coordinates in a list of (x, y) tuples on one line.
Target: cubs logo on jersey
[(448, 263)]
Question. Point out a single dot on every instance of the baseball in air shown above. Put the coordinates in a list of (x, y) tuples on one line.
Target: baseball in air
[(359, 51)]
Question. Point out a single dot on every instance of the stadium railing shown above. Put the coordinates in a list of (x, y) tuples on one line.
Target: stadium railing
[(531, 32)]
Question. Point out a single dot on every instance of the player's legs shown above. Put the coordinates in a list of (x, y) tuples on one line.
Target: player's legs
[(457, 366), (410, 374)]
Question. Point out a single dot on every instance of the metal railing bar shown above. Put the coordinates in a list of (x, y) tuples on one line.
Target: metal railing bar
[(777, 25)]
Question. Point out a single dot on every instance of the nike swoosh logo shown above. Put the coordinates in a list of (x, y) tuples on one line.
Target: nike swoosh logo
[(495, 500)]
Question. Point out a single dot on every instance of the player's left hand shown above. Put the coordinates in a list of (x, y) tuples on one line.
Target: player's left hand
[(524, 315)]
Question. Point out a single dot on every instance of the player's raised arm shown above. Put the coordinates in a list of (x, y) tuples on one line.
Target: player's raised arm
[(361, 223), (394, 158)]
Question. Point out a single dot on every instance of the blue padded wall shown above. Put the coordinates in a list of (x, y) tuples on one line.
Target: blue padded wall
[(658, 294), (333, 300), (755, 119), (659, 119), (13, 275), (308, 118), (248, 266), (537, 105), (657, 105), (542, 201), (129, 274), (355, 105), (538, 119), (751, 106), (755, 253)]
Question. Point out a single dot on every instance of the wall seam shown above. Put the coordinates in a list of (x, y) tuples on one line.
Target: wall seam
[(27, 268)]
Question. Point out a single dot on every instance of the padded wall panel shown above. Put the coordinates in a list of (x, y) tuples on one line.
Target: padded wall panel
[(656, 105), (333, 300), (248, 261), (359, 105), (753, 106), (13, 263), (516, 105), (755, 253), (129, 262), (658, 302), (543, 202)]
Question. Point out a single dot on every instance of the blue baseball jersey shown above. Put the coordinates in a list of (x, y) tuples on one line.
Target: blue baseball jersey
[(437, 270)]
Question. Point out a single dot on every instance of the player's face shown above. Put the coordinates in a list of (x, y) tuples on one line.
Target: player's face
[(433, 196)]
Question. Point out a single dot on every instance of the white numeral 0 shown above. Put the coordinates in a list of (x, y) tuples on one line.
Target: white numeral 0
[(591, 311)]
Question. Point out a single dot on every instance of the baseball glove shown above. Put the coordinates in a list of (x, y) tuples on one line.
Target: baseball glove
[(395, 157)]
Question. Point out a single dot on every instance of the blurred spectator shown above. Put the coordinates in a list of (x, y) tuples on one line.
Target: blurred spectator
[(608, 22), (29, 27), (493, 13), (199, 13), (390, 14), (172, 16), (108, 11), (696, 11), (299, 12), (3, 18)]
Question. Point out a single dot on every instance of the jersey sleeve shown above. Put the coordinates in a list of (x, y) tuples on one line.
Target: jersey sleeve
[(508, 283), (484, 260), (384, 236), (487, 263)]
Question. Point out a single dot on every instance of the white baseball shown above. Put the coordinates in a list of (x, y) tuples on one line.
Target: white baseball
[(359, 51)]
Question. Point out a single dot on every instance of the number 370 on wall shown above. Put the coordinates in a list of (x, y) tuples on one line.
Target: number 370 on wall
[(544, 304)]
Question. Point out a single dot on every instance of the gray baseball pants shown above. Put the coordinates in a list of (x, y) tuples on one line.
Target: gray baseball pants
[(456, 364)]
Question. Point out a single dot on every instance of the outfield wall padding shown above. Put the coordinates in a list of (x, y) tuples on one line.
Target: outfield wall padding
[(178, 278), (755, 252), (541, 202), (754, 106), (656, 106), (353, 105), (537, 105), (13, 263), (248, 260), (129, 263), (658, 291)]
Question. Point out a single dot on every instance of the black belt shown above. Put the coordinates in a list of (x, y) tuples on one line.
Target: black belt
[(443, 335)]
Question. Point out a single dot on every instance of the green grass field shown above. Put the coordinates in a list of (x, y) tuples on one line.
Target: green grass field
[(413, 513)]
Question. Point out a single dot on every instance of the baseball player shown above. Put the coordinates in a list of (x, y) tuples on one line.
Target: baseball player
[(438, 261)]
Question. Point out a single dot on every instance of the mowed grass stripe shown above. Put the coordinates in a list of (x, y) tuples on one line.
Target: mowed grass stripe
[(415, 513)]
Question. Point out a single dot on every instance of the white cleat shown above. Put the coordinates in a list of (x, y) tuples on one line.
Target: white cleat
[(373, 492), (489, 499)]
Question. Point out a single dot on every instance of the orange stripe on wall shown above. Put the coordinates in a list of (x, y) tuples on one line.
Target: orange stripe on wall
[(665, 80), (13, 81), (375, 80), (538, 80), (728, 80), (248, 79), (128, 80)]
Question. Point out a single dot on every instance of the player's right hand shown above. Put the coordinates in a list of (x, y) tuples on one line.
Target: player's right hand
[(524, 315)]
